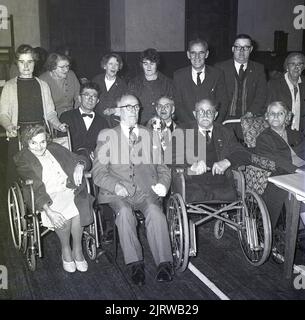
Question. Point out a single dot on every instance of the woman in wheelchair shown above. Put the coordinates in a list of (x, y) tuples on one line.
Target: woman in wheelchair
[(59, 191), (284, 146)]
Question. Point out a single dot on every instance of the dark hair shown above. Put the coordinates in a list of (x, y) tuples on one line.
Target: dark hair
[(292, 55), (243, 36), (25, 48), (52, 60), (89, 85), (197, 41), (32, 131), (150, 54), (108, 56)]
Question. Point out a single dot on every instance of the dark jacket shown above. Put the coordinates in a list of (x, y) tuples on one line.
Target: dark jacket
[(187, 93), (270, 145), (29, 167), (256, 85), (148, 92), (81, 138)]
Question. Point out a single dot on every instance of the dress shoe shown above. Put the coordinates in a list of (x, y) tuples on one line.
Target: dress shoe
[(68, 266), (164, 272), (138, 274), (81, 266)]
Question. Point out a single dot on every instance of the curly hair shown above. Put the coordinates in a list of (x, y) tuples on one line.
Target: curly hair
[(150, 54), (293, 55), (108, 56), (289, 114), (53, 59), (25, 48)]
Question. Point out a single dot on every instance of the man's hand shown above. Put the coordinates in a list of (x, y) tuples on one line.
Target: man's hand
[(120, 190), (220, 167), (63, 127), (199, 167), (12, 131), (78, 174), (159, 189)]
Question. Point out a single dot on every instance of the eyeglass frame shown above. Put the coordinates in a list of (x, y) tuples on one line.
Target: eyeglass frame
[(208, 113), (242, 48), (299, 65), (277, 114), (194, 54), (164, 106), (87, 96), (64, 67), (130, 107)]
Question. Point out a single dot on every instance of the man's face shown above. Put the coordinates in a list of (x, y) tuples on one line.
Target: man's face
[(295, 66), (88, 99), (205, 114), (25, 65), (197, 54), (241, 50), (128, 109), (165, 108)]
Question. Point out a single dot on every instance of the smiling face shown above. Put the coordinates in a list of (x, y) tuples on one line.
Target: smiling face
[(88, 99), (295, 66), (62, 69), (38, 144), (197, 55), (112, 67), (25, 64), (241, 50)]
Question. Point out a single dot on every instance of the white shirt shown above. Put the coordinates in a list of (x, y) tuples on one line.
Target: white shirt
[(194, 75), (109, 83), (87, 120), (296, 103), (204, 131), (237, 66)]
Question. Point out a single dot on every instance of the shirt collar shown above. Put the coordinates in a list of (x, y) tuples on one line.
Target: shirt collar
[(81, 111), (125, 129), (237, 65), (203, 131), (289, 82)]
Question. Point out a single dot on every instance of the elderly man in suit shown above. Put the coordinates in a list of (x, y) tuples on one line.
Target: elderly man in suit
[(129, 180), (219, 151), (197, 82), (84, 123), (245, 80)]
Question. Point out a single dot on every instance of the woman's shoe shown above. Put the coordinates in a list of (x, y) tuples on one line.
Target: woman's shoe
[(81, 266), (68, 266)]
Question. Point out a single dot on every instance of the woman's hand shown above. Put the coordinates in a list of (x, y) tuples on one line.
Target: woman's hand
[(55, 217), (78, 174), (12, 131), (63, 127)]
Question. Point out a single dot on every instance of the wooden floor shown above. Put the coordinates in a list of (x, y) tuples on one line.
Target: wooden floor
[(221, 261)]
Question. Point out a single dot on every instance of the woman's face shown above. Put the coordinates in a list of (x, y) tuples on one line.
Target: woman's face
[(62, 69), (149, 67), (295, 66), (25, 64), (276, 117), (38, 144), (112, 67)]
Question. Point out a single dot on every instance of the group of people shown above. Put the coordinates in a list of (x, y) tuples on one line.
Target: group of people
[(125, 133)]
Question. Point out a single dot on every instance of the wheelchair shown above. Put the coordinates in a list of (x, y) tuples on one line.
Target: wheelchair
[(248, 215), (25, 221)]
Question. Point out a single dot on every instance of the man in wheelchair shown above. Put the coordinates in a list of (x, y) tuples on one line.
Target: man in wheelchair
[(216, 150)]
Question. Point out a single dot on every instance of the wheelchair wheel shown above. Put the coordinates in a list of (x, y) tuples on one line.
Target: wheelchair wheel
[(30, 258), (178, 231), (18, 223), (219, 229), (90, 246), (255, 230)]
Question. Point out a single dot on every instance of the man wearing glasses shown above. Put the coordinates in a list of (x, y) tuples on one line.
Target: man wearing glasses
[(198, 81), (129, 180), (85, 124), (245, 81)]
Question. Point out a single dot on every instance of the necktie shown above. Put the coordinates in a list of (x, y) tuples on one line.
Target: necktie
[(207, 136), (90, 115), (198, 78), (171, 127), (241, 71), (295, 91), (132, 136)]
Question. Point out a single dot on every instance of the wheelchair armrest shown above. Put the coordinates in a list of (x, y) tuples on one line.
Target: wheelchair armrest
[(87, 175), (28, 182)]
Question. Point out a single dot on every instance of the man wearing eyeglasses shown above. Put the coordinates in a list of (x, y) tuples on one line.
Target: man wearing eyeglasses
[(198, 81), (129, 180), (84, 123), (245, 80)]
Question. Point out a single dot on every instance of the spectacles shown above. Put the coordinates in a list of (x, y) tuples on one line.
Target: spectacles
[(64, 67), (276, 114), (130, 107), (199, 54), (240, 48), (299, 65), (207, 113), (87, 95), (164, 106)]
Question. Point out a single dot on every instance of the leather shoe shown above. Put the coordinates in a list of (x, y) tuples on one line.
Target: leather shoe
[(81, 266), (164, 272), (68, 266), (138, 274)]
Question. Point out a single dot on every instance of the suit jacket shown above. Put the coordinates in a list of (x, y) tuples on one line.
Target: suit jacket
[(278, 90), (29, 167), (256, 84), (80, 136), (187, 93), (270, 145), (112, 164)]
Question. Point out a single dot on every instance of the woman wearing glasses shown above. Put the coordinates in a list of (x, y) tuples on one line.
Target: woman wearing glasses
[(285, 147), (62, 81), (290, 88)]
